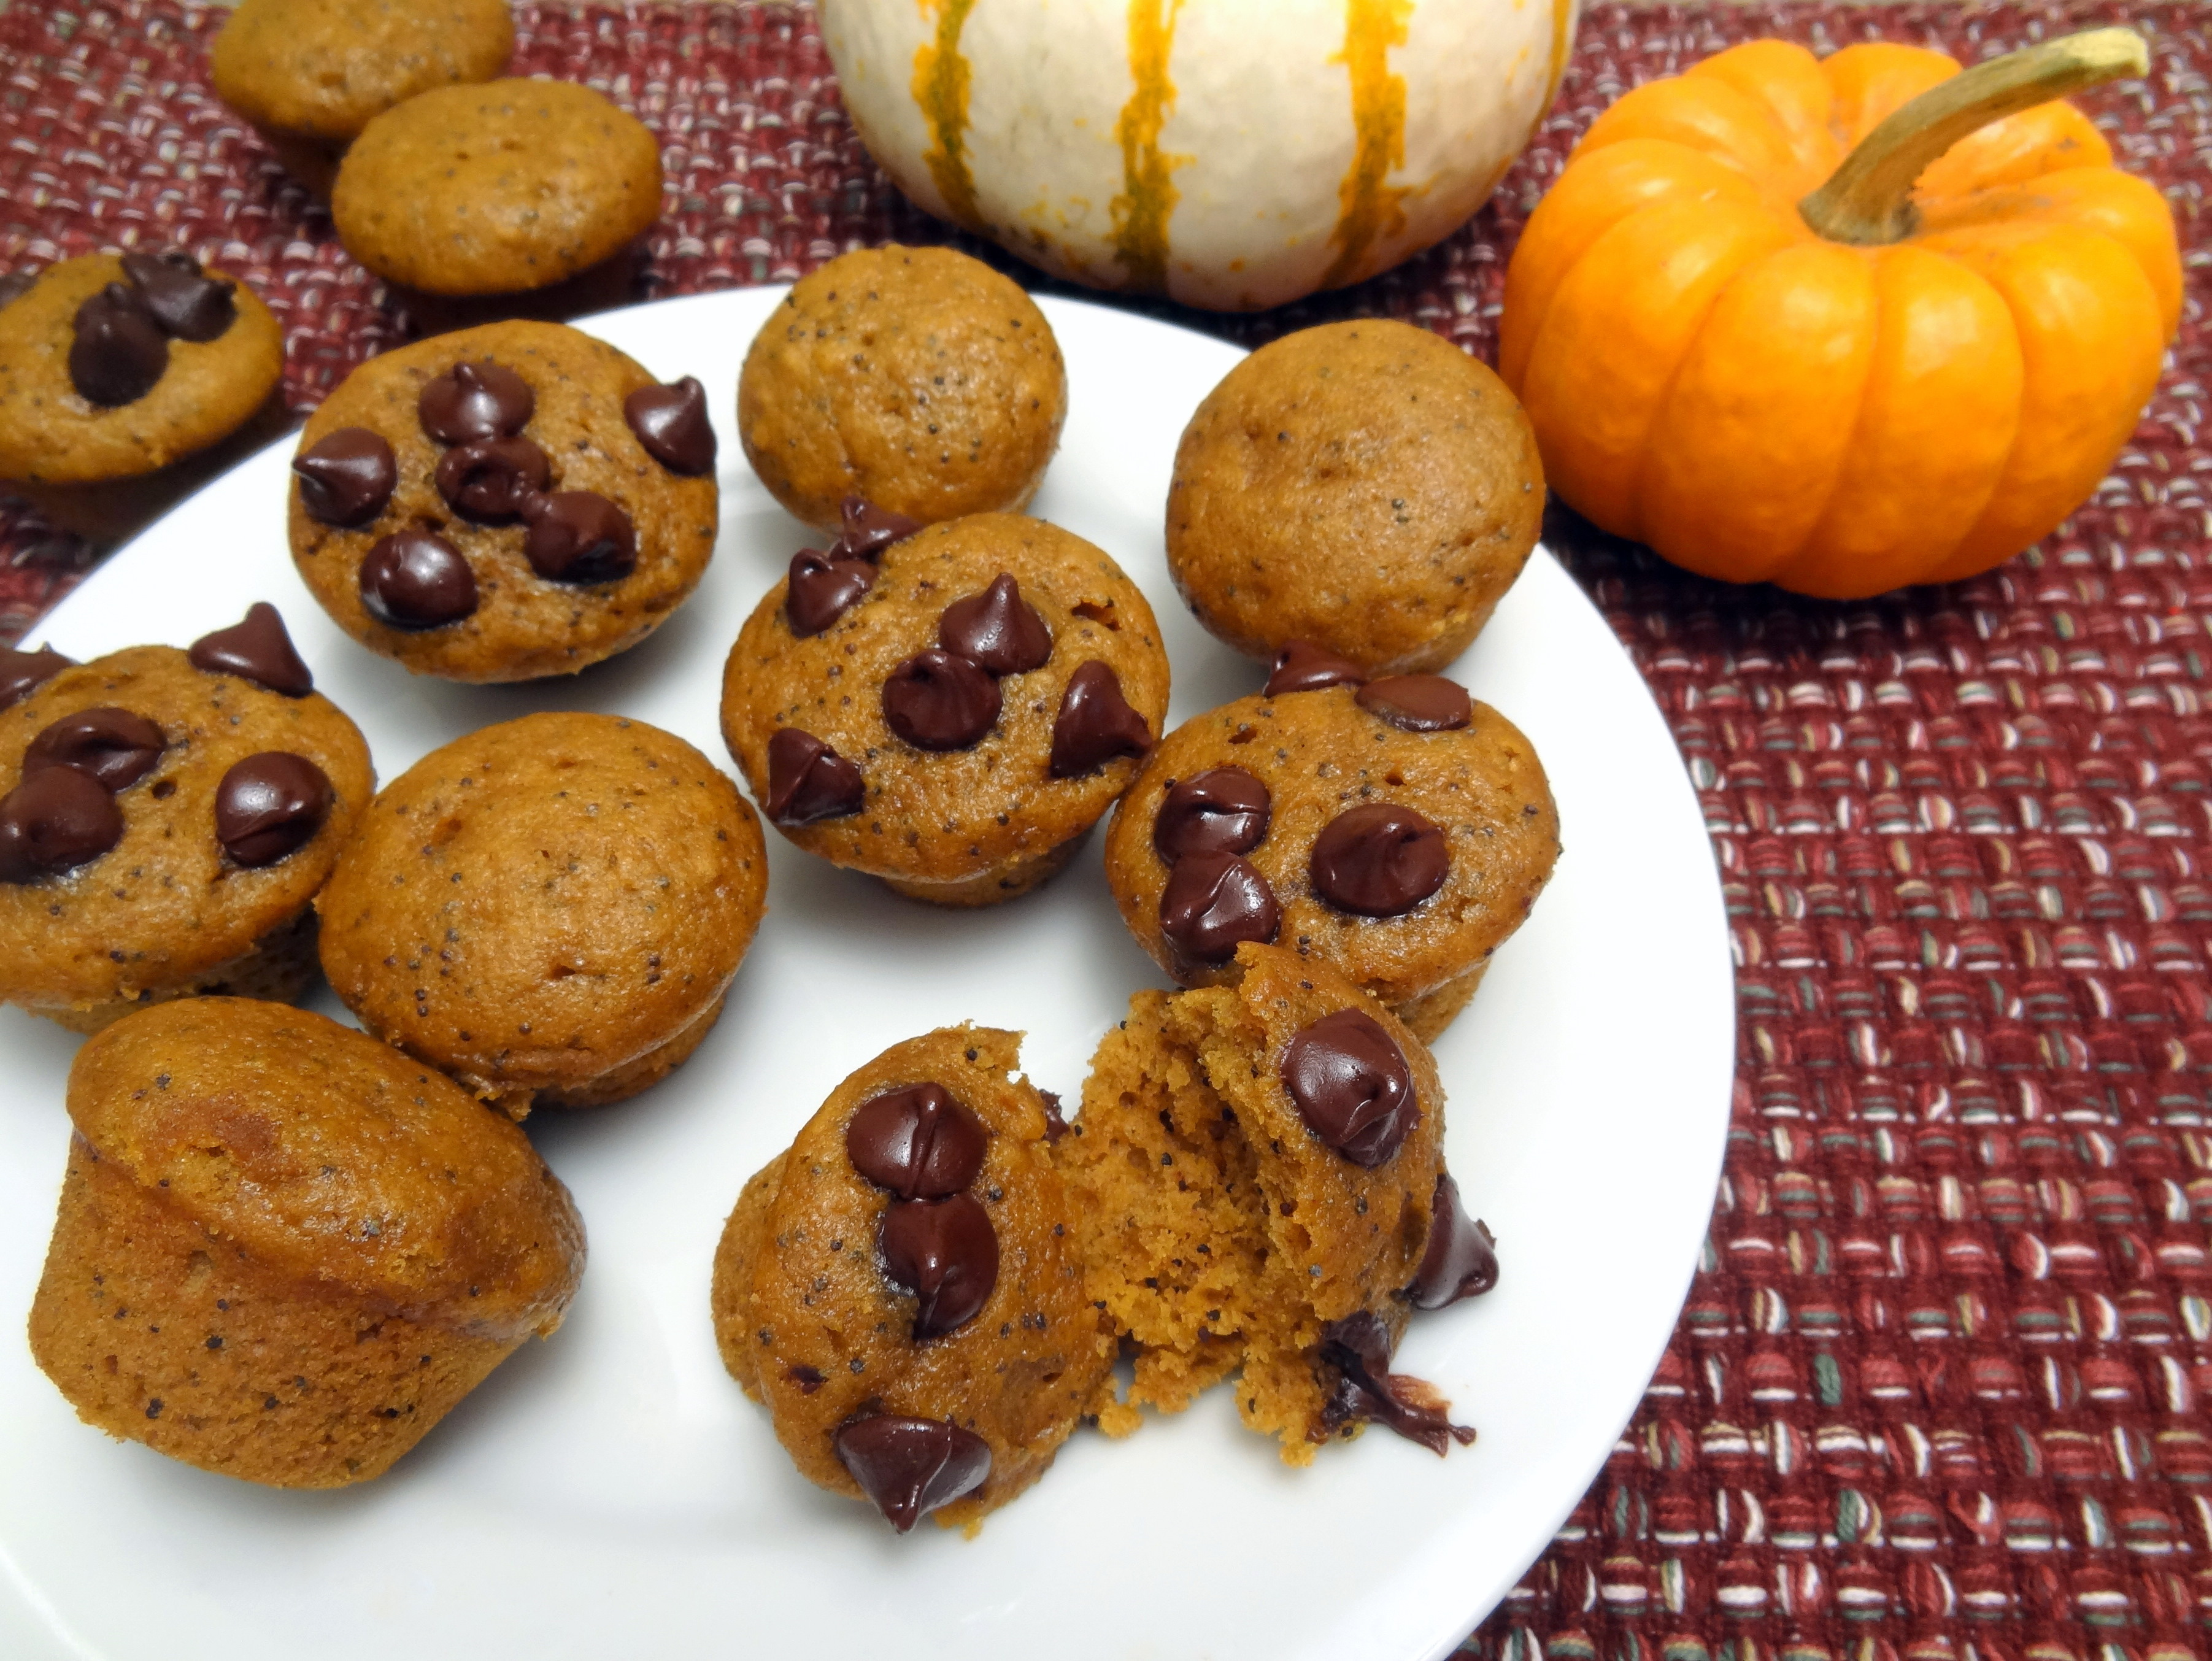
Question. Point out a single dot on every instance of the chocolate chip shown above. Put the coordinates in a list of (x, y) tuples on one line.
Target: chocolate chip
[(119, 747), (996, 631), (1214, 901), (1378, 861), (347, 477), (1350, 1083), (414, 579), (946, 1253), (1419, 703), (489, 480), (808, 780), (119, 350), (472, 401), (909, 1467), (1055, 1122), (55, 821), (187, 303), (868, 530), (16, 285), (936, 701), (257, 649), (269, 804), (671, 423), (1095, 723), (823, 588), (917, 1142), (1359, 1346), (578, 537), (1302, 666), (21, 672), (1460, 1260), (1224, 810)]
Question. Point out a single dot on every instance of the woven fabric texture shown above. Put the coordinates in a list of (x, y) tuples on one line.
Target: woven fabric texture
[(1939, 1390)]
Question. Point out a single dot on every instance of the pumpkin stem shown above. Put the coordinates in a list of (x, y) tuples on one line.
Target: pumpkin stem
[(1868, 199)]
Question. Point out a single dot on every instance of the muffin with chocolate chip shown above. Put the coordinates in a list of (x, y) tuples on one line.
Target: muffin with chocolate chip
[(1393, 829), (950, 710), (507, 502), (127, 381), (165, 818), (902, 1288), (549, 910), (918, 378)]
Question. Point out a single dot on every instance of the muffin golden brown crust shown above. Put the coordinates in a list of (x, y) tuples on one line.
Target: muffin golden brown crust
[(284, 1251), (918, 378), (1366, 486), (549, 910)]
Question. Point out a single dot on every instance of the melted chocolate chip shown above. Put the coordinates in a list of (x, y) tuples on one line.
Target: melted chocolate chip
[(578, 537), (21, 672), (808, 780), (1213, 903), (996, 631), (187, 303), (413, 579), (946, 1253), (54, 821), (1461, 1260), (1350, 1083), (258, 649), (868, 530), (1302, 666), (1224, 810), (823, 588), (1095, 723), (119, 747), (1419, 703), (16, 285), (671, 423), (1359, 1346), (909, 1467), (936, 701), (269, 804), (347, 477), (472, 401), (1378, 861), (1055, 1122), (917, 1142), (489, 480), (119, 350)]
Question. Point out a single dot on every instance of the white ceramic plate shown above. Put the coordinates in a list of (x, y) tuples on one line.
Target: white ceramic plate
[(610, 1493)]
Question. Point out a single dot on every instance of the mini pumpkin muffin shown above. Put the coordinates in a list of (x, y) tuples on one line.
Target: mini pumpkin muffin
[(951, 713), (309, 74), (284, 1251), (126, 380), (165, 818), (917, 378), (901, 1287), (550, 910), (1396, 830), (510, 501), (1366, 486)]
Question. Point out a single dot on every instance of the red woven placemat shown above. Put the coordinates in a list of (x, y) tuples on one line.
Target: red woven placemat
[(1938, 1391)]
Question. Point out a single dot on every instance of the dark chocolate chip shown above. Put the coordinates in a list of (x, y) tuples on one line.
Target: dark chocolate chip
[(1359, 1346), (489, 480), (996, 631), (1095, 723), (1419, 703), (1224, 810), (917, 1142), (671, 423), (23, 673), (414, 579), (823, 588), (472, 401), (119, 747), (1350, 1083), (257, 649), (1213, 903), (55, 821), (1302, 666), (909, 1467), (119, 350), (1461, 1260), (269, 804), (936, 701), (868, 530), (347, 477), (1378, 861), (1055, 1122), (186, 302), (16, 285), (808, 780), (578, 537), (946, 1253)]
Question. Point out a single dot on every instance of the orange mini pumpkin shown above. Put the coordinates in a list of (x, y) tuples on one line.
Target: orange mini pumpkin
[(1906, 374)]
